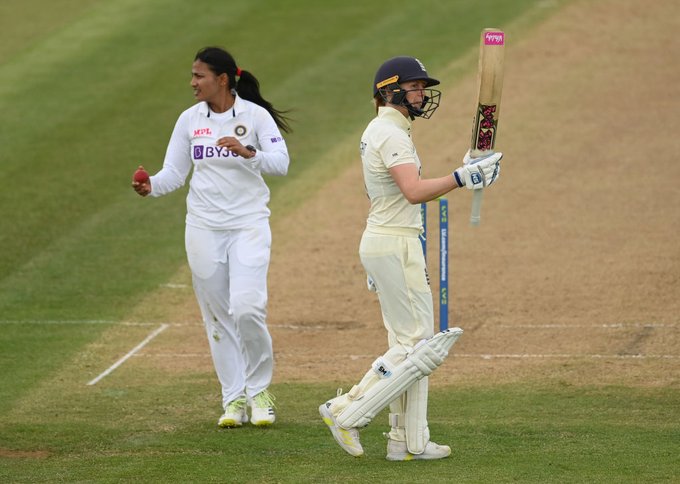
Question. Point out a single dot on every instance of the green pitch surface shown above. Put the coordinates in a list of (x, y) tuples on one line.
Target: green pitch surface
[(89, 89)]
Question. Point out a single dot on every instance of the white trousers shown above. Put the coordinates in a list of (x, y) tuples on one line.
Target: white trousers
[(229, 273), (396, 265)]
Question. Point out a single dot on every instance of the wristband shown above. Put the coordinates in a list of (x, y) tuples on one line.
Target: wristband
[(461, 183)]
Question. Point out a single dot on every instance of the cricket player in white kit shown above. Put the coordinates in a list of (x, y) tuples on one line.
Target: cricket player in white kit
[(229, 138), (392, 256)]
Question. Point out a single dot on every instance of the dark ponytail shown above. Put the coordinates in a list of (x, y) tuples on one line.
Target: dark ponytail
[(245, 84)]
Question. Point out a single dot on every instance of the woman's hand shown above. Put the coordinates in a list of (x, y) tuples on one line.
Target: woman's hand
[(235, 146), (140, 182)]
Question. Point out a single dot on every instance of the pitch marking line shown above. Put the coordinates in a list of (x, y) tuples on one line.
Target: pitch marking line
[(333, 327), (92, 321), (568, 356), (483, 356), (134, 350), (588, 326)]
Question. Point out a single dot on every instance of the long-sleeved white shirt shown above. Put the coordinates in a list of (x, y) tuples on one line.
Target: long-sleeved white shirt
[(226, 191), (385, 143)]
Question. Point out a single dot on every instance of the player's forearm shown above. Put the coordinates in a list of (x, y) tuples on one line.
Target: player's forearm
[(428, 189), (165, 181), (274, 162)]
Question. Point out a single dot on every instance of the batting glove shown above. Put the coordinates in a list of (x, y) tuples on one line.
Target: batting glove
[(478, 173)]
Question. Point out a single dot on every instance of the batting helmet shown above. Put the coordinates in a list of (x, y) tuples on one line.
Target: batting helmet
[(405, 68), (402, 69)]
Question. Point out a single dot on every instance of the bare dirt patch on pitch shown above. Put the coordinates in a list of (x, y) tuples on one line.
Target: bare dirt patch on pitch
[(574, 274), (24, 454), (580, 232)]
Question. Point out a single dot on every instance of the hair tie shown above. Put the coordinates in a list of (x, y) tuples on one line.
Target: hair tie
[(238, 72)]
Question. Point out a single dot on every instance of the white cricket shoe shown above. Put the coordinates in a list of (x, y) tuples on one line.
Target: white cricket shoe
[(348, 439), (262, 409), (234, 414), (398, 451)]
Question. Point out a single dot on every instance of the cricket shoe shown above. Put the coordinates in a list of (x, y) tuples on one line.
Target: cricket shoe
[(398, 451), (348, 439), (234, 414), (262, 409)]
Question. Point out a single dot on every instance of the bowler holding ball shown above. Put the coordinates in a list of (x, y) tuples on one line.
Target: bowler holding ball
[(140, 181), (224, 144)]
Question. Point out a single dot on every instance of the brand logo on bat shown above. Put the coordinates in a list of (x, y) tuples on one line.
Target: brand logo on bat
[(484, 130), (494, 38)]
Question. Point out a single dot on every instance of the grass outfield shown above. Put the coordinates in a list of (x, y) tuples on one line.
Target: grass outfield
[(91, 88), (148, 428)]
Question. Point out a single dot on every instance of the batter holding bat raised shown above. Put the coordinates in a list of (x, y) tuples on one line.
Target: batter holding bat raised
[(392, 256)]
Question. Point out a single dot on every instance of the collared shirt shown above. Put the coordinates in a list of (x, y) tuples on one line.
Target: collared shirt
[(226, 191), (385, 143)]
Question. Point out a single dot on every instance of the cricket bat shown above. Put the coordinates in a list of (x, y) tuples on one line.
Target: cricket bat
[(490, 84)]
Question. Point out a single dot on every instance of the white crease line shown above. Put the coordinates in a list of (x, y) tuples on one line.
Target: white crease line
[(173, 355), (483, 356), (91, 321), (335, 327), (58, 321), (134, 350), (624, 357), (296, 327), (578, 326)]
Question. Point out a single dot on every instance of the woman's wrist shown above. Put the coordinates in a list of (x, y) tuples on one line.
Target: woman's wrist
[(251, 149)]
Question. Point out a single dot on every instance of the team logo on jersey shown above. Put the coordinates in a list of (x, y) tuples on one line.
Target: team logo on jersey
[(240, 130)]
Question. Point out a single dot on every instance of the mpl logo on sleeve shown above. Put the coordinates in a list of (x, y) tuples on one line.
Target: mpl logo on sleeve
[(494, 38)]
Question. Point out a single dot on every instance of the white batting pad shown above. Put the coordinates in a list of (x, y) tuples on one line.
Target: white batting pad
[(417, 434), (421, 362)]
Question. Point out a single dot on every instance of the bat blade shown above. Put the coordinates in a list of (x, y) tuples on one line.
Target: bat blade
[(490, 87)]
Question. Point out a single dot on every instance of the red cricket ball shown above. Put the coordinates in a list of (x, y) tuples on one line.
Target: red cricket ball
[(141, 176)]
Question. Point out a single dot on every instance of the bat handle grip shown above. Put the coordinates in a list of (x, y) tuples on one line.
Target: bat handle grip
[(475, 213)]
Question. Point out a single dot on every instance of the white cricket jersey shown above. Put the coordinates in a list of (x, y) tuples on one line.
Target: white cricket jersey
[(385, 143), (226, 191)]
